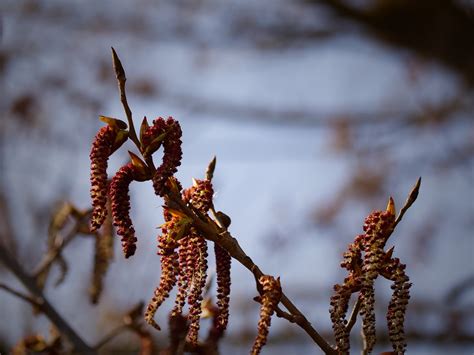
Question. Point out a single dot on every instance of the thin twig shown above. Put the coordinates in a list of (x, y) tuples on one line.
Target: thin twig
[(121, 79), (289, 317), (30, 283), (410, 200), (53, 253), (113, 333), (31, 300), (353, 317)]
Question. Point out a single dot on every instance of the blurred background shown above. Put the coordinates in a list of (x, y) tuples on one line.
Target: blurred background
[(317, 112)]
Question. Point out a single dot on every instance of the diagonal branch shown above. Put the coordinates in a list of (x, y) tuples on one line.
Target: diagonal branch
[(46, 307), (223, 238), (55, 252), (34, 302)]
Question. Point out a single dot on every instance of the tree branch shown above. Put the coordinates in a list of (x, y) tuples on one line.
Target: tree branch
[(22, 296), (60, 323), (110, 336), (213, 232), (223, 238), (53, 253)]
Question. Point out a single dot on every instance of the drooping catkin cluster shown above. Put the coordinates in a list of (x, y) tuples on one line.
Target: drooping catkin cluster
[(398, 304), (271, 295), (107, 140), (377, 227), (188, 252), (171, 230), (167, 132), (181, 246), (197, 285), (120, 200), (365, 259), (352, 261), (223, 265)]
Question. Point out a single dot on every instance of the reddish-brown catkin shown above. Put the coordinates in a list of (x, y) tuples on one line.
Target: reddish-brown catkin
[(121, 208), (338, 310), (186, 265), (185, 268), (377, 227), (101, 150), (201, 195), (172, 151), (223, 264), (398, 304), (270, 298), (197, 285), (169, 269), (175, 227), (352, 261)]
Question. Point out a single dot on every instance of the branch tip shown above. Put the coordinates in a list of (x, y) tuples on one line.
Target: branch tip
[(119, 71), (210, 168)]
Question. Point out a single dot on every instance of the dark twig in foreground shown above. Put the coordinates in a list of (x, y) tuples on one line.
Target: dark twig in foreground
[(53, 254), (30, 283), (22, 296)]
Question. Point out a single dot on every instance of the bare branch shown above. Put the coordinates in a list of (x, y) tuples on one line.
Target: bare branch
[(110, 336), (55, 252), (34, 302), (46, 307)]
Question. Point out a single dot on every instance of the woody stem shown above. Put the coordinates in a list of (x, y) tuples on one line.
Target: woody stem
[(223, 238)]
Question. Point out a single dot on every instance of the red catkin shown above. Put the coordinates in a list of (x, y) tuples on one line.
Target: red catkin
[(101, 149), (270, 298), (121, 208)]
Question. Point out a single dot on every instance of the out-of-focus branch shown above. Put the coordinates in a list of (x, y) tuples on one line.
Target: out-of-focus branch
[(6, 228), (53, 253), (320, 118), (34, 302), (132, 321), (30, 283), (110, 336), (459, 289), (434, 29)]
